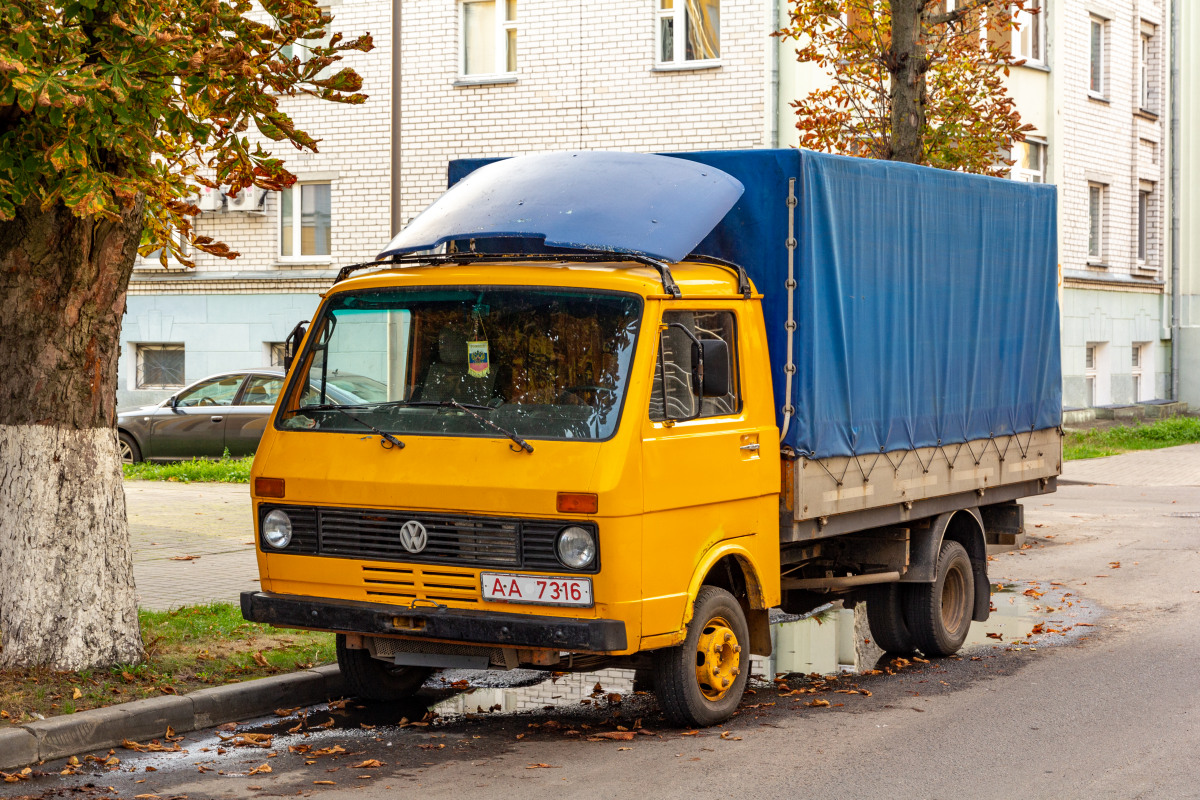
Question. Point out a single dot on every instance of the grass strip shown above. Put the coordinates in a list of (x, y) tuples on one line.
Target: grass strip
[(1099, 442), (221, 470), (186, 649)]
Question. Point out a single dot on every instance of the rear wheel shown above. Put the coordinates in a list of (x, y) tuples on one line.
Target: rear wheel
[(372, 679), (128, 448), (939, 614), (885, 615), (701, 681)]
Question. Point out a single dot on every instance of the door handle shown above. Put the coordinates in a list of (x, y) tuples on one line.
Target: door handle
[(217, 419), (752, 446)]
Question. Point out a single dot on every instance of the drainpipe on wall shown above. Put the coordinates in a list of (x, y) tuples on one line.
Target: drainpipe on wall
[(1176, 299), (396, 118), (773, 61)]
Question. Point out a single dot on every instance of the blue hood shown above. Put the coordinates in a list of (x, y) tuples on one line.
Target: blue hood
[(633, 203)]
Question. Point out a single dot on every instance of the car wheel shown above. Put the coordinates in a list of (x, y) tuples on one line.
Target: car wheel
[(128, 448)]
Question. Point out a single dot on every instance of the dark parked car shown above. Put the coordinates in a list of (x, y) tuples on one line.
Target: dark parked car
[(225, 411)]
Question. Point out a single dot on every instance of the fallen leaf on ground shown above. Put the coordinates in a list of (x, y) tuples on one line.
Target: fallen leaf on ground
[(368, 764), (818, 703), (261, 660), (688, 733), (261, 769), (286, 712), (324, 783), (616, 736), (329, 751), (228, 726), (729, 737), (541, 766), (994, 636), (1114, 565)]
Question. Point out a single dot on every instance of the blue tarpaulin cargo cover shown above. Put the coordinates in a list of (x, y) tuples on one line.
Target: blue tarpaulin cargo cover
[(925, 304)]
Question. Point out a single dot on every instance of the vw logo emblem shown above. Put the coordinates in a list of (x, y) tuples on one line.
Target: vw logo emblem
[(413, 536)]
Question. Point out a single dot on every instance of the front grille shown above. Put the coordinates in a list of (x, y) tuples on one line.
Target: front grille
[(453, 540), (415, 583)]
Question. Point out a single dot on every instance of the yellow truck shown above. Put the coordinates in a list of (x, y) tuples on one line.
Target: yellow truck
[(627, 404)]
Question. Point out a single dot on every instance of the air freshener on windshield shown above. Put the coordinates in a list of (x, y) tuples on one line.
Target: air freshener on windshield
[(477, 359)]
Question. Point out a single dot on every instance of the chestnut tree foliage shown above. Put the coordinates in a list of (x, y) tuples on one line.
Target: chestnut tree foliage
[(920, 81), (102, 102), (113, 113)]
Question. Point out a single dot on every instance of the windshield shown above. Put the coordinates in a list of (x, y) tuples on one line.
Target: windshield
[(548, 364)]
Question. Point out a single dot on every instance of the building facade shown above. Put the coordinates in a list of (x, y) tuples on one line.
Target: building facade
[(478, 78)]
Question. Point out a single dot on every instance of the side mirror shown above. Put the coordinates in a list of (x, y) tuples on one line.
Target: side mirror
[(292, 344), (174, 401), (714, 368)]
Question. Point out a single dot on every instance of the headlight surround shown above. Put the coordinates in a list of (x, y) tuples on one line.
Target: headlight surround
[(277, 529), (576, 547)]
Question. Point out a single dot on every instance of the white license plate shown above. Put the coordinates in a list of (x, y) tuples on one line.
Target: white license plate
[(543, 590)]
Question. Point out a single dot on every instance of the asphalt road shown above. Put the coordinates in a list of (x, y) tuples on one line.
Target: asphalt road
[(1110, 710)]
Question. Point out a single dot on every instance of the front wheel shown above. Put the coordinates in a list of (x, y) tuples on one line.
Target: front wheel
[(128, 448), (372, 679), (939, 613), (701, 681)]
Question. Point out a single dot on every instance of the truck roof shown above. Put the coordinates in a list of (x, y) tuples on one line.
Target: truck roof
[(693, 279)]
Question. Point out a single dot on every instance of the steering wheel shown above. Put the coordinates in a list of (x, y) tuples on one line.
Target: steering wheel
[(577, 395), (206, 401)]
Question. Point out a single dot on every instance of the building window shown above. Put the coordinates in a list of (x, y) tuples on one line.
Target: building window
[(1147, 57), (1098, 61), (1143, 226), (1029, 39), (302, 48), (159, 366), (275, 353), (488, 43), (1138, 357), (1096, 203), (309, 205), (689, 31), (1089, 373), (1029, 162)]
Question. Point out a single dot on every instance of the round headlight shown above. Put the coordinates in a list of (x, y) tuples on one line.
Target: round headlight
[(576, 547), (277, 529)]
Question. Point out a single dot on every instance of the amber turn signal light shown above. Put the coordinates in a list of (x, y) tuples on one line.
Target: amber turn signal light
[(268, 487), (577, 503)]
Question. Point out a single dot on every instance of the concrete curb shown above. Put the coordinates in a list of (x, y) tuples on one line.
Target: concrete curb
[(102, 728)]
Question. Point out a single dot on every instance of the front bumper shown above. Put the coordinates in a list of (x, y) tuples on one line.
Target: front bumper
[(436, 623)]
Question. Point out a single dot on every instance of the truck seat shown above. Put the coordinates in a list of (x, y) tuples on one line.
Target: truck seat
[(449, 378)]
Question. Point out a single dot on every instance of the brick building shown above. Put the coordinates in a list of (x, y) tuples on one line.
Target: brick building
[(509, 77)]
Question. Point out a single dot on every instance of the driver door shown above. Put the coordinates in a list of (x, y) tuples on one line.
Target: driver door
[(195, 427)]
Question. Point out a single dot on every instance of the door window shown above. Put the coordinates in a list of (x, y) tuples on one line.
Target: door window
[(215, 392), (676, 391), (262, 390)]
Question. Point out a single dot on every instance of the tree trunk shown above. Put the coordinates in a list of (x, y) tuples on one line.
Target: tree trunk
[(907, 63), (66, 569)]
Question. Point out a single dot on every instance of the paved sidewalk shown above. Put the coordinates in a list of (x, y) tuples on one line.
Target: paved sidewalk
[(211, 522), (1171, 466)]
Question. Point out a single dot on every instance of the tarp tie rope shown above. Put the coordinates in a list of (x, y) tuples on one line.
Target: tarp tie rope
[(836, 479), (790, 367)]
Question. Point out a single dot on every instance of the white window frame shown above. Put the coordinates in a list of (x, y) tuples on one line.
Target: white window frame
[(150, 260), (1036, 21), (1142, 238), (502, 26), (678, 14), (1097, 216), (1024, 174), (297, 211), (271, 350), (1137, 363), (139, 349), (1145, 62), (1096, 374), (1098, 58)]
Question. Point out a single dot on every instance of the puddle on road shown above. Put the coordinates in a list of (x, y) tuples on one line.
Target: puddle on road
[(1026, 615)]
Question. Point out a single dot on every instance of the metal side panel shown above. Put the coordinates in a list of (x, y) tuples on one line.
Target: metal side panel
[(836, 495)]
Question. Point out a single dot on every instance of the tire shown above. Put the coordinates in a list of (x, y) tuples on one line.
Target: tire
[(938, 614), (371, 679), (701, 681), (885, 615), (128, 448)]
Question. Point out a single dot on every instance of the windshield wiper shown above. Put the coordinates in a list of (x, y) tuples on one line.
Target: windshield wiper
[(428, 403), (387, 442), (452, 403)]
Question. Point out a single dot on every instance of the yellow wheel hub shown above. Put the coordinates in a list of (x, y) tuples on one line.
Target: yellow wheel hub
[(718, 659)]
